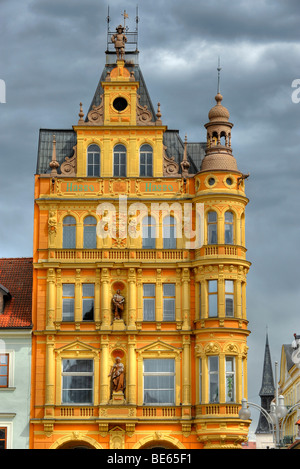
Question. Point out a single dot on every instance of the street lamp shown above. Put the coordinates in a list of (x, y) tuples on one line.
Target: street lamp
[(277, 416)]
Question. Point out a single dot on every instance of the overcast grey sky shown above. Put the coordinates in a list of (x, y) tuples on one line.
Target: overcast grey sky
[(52, 55)]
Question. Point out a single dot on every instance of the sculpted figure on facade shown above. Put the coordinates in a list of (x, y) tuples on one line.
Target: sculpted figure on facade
[(117, 376), (118, 304), (119, 39)]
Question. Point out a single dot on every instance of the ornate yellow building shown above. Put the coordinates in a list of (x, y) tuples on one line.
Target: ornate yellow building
[(139, 304)]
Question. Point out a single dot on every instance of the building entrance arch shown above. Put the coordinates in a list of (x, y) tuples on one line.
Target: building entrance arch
[(76, 442), (163, 442)]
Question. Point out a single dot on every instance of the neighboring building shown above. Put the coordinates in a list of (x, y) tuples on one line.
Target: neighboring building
[(168, 316), (289, 384), (15, 352), (264, 432)]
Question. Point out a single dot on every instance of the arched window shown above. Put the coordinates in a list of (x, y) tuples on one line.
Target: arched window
[(169, 232), (120, 160), (228, 236), (149, 232), (93, 161), (146, 160), (69, 232), (212, 232), (89, 233)]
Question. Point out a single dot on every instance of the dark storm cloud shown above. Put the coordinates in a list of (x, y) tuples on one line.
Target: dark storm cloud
[(52, 55)]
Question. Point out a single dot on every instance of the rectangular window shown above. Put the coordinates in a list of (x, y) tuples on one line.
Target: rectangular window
[(212, 298), (159, 381), (229, 298), (230, 379), (213, 371), (3, 438), (120, 164), (212, 235), (243, 298), (69, 233), (169, 302), (169, 233), (146, 164), (88, 297), (149, 233), (200, 380), (4, 367), (199, 299), (149, 302), (77, 381), (68, 302)]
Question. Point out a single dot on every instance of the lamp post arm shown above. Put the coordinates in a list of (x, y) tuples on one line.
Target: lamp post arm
[(269, 420), (284, 420)]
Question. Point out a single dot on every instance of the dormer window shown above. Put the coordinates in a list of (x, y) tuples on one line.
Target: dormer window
[(4, 295)]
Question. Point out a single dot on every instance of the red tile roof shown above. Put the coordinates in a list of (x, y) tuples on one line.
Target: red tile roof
[(16, 276)]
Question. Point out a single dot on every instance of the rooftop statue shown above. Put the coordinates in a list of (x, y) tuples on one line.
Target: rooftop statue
[(119, 39)]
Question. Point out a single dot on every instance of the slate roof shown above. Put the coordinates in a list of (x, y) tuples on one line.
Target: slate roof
[(267, 386), (175, 147), (288, 350), (16, 277), (66, 139), (267, 390)]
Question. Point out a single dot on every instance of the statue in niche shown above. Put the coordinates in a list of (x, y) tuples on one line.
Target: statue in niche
[(119, 39), (118, 304), (117, 377)]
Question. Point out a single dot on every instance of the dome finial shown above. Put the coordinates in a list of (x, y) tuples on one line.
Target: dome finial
[(219, 75)]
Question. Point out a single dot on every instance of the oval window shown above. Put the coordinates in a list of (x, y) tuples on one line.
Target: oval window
[(120, 104)]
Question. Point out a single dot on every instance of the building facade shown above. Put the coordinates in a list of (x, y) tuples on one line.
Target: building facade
[(15, 352), (139, 303), (289, 384)]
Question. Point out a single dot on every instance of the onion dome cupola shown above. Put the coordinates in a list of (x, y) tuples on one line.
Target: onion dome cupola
[(218, 154)]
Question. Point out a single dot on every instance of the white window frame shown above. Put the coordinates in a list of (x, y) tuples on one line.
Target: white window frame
[(157, 373), (9, 431), (212, 294), (149, 297), (168, 297), (88, 298), (229, 295), (11, 367), (82, 374), (68, 297), (93, 165), (228, 374), (210, 374)]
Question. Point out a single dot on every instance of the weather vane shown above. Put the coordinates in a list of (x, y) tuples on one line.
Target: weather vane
[(125, 15)]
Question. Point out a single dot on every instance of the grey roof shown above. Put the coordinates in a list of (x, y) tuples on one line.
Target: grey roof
[(66, 139), (267, 391), (288, 349), (267, 387), (175, 147), (4, 289)]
